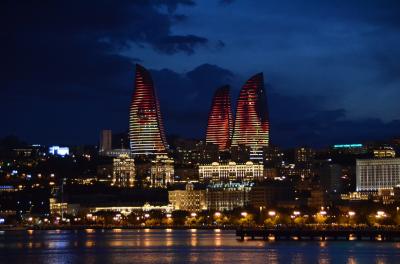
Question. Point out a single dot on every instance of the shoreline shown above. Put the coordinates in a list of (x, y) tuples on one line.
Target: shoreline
[(49, 228)]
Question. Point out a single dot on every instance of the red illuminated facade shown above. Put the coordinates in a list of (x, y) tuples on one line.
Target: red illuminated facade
[(252, 122), (220, 121), (146, 130)]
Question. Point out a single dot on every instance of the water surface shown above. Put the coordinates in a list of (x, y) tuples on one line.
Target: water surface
[(181, 246)]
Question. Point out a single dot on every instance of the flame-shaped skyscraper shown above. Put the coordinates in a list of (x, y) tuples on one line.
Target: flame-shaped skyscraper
[(220, 121), (252, 122), (146, 130)]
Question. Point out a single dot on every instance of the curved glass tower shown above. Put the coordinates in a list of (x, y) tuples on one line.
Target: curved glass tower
[(220, 121), (146, 130), (252, 122)]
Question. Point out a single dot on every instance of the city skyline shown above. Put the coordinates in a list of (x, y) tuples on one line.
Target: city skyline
[(180, 131), (323, 76)]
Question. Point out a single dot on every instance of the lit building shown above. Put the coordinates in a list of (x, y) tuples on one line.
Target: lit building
[(376, 174), (303, 155), (349, 149), (190, 200), (105, 141), (216, 172), (252, 122), (123, 171), (58, 151), (220, 122), (146, 130), (385, 152), (117, 152), (162, 171), (128, 209), (355, 196), (58, 208), (227, 196)]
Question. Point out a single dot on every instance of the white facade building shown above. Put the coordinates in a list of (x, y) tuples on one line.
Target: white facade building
[(217, 172), (377, 174)]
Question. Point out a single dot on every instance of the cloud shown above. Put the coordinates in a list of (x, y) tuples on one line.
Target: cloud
[(174, 44)]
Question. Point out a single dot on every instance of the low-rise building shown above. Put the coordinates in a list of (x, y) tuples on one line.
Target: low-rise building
[(162, 172), (123, 171), (227, 196), (217, 172), (270, 194), (190, 199)]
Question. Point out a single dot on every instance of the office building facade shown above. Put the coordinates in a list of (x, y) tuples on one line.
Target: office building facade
[(376, 174)]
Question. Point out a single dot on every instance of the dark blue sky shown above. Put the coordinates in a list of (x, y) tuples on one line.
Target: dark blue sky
[(332, 68)]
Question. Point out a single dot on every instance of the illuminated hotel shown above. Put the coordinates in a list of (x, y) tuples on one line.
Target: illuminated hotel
[(377, 174), (162, 172), (190, 200), (220, 121), (252, 124), (123, 171), (231, 171), (146, 130)]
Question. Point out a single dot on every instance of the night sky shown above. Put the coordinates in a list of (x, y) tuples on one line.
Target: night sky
[(332, 70)]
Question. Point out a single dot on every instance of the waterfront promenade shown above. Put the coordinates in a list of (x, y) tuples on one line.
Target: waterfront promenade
[(321, 233)]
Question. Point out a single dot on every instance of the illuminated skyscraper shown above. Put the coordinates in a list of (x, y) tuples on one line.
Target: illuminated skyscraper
[(220, 123), (252, 123), (146, 130)]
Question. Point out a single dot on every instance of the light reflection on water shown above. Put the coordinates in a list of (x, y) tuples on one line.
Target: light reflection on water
[(181, 246)]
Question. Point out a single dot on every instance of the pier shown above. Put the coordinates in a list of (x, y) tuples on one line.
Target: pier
[(333, 234)]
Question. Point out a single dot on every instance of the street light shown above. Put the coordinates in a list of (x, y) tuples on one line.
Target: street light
[(169, 215), (380, 214), (193, 214), (217, 214), (147, 215), (244, 214), (351, 213), (271, 213)]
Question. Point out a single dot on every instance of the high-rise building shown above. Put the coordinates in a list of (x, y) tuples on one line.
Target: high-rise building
[(331, 177), (146, 130), (123, 171), (220, 122), (105, 141), (376, 174), (252, 122)]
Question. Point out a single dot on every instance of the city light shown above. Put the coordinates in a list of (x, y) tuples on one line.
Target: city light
[(244, 214), (217, 214), (351, 213), (193, 214), (271, 213), (380, 214)]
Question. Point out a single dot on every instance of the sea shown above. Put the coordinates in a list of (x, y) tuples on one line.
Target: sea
[(181, 246)]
